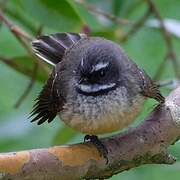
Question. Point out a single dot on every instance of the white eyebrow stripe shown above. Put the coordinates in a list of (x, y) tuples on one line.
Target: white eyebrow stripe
[(100, 65)]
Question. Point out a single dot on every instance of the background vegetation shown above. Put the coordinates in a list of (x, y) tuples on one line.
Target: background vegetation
[(135, 24)]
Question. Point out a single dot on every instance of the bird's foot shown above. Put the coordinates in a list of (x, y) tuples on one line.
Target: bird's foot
[(99, 145)]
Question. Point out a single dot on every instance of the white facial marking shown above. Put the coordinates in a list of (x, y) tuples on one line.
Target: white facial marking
[(100, 65), (95, 87)]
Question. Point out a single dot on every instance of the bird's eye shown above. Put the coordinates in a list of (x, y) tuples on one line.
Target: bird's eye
[(102, 73)]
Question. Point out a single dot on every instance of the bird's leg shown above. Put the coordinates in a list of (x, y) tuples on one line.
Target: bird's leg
[(99, 145)]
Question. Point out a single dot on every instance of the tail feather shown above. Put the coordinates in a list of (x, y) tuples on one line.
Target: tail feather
[(52, 48)]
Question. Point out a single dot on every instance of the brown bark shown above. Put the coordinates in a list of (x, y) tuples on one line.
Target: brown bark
[(144, 144)]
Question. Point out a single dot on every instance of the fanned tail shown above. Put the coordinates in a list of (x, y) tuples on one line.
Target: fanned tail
[(52, 48)]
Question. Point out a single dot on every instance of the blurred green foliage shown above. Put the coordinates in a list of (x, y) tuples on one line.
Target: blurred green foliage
[(146, 48)]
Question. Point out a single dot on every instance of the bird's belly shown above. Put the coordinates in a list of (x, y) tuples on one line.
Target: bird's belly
[(101, 115)]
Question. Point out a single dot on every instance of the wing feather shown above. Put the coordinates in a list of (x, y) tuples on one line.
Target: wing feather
[(52, 48), (48, 103)]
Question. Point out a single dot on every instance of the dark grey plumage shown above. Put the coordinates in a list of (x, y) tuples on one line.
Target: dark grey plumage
[(52, 48), (90, 72)]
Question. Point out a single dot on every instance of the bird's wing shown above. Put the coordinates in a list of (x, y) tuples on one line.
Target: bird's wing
[(49, 101), (150, 88), (52, 48)]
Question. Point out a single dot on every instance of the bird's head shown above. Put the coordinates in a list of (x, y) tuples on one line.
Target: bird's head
[(100, 68)]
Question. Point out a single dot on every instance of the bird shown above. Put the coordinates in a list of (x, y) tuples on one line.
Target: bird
[(94, 87)]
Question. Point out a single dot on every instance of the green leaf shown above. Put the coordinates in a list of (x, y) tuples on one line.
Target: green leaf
[(63, 135), (15, 11), (54, 14), (117, 6), (108, 34), (86, 17), (25, 65)]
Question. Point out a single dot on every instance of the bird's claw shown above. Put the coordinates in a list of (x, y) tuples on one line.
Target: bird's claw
[(99, 145)]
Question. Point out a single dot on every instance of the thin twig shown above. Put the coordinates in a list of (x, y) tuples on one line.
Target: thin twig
[(2, 6), (33, 78), (132, 6), (137, 25), (19, 33), (24, 39), (16, 66), (167, 37), (111, 17), (5, 59), (160, 69), (166, 34), (29, 87)]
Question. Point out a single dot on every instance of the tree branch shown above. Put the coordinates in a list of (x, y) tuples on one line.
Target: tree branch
[(144, 144)]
